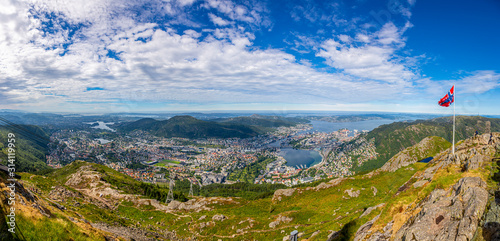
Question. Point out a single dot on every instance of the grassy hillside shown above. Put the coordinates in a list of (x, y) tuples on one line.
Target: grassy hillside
[(315, 211), (190, 127), (30, 150), (393, 138)]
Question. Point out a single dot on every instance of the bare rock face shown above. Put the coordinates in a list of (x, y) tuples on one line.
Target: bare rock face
[(363, 231), (491, 227), (382, 236), (448, 217), (475, 162), (283, 192), (370, 209)]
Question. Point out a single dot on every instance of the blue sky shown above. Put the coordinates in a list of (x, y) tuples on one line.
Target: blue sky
[(213, 55)]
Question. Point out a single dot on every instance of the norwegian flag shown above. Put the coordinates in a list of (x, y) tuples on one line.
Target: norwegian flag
[(448, 98)]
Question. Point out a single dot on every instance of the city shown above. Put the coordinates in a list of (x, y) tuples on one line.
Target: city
[(153, 159)]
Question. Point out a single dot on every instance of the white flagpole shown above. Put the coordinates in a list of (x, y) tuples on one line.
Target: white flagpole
[(454, 93)]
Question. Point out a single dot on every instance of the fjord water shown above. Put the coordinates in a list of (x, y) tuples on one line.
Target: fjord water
[(296, 157), (309, 158)]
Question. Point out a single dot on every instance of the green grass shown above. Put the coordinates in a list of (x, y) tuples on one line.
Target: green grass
[(165, 163), (54, 228)]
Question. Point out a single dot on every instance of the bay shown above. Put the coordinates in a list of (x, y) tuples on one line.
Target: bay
[(297, 157)]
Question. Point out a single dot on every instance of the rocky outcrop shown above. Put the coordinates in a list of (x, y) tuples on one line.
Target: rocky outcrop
[(329, 184), (352, 193), (425, 148), (385, 235), (370, 209), (491, 226), (61, 193), (197, 205), (364, 230), (420, 183), (219, 217), (280, 219), (131, 233), (283, 192), (448, 217), (475, 162)]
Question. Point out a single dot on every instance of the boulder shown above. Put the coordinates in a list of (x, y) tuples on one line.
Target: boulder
[(219, 217), (283, 192), (474, 162)]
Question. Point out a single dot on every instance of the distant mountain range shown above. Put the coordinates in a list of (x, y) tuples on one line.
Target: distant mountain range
[(262, 120), (190, 127)]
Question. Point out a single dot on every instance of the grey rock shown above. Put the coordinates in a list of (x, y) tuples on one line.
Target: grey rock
[(219, 217), (445, 217), (363, 231), (333, 235), (352, 193), (491, 226), (370, 209), (374, 189), (280, 219), (475, 162), (283, 192), (420, 183)]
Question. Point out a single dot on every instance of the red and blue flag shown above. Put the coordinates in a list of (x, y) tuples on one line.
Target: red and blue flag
[(448, 98)]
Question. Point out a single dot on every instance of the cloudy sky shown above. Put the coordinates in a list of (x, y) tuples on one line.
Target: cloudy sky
[(210, 55)]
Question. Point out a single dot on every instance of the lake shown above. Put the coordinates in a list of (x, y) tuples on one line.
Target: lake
[(296, 157)]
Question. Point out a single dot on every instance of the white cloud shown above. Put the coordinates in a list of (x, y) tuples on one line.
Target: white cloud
[(183, 3), (475, 83), (135, 60), (252, 13), (217, 20), (372, 57)]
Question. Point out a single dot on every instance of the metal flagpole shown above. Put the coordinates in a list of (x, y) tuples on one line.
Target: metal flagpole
[(454, 103)]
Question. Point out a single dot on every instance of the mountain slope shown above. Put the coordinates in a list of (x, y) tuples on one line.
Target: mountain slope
[(30, 150), (262, 121), (381, 205), (392, 138), (190, 127)]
